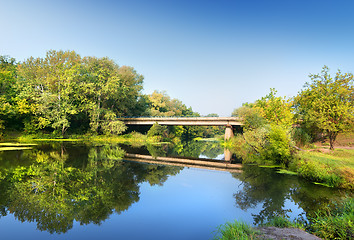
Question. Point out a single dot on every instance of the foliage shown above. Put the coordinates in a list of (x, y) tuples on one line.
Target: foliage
[(64, 90), (266, 137), (252, 117), (327, 104), (276, 110), (56, 184), (162, 105), (282, 222), (301, 136), (335, 222), (279, 145), (7, 90), (236, 230), (158, 132)]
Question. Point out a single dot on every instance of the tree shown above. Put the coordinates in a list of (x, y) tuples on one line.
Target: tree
[(7, 90), (109, 91), (48, 84), (162, 105), (327, 103), (266, 128)]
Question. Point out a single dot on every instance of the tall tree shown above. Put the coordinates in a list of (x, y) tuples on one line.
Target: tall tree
[(109, 91), (7, 91), (48, 83), (327, 103)]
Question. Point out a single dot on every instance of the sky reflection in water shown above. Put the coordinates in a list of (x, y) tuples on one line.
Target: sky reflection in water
[(127, 200)]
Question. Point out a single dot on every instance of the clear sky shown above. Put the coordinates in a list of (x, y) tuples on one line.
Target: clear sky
[(212, 55)]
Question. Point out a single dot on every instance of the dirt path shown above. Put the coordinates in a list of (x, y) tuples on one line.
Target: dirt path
[(285, 233)]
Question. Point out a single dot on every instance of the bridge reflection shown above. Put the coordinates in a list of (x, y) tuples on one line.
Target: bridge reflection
[(203, 163)]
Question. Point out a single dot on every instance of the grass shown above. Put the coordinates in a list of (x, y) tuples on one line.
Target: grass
[(335, 221), (236, 230), (336, 158), (283, 222), (12, 144), (13, 148), (333, 169), (135, 139), (284, 171)]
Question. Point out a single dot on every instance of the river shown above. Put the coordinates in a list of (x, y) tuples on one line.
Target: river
[(73, 190)]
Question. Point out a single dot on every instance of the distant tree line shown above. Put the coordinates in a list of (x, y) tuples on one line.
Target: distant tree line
[(64, 92)]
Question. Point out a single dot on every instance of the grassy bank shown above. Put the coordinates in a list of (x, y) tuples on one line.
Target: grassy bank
[(333, 168), (134, 138), (333, 222)]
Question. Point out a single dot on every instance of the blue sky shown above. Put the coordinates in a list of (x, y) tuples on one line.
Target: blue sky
[(212, 55)]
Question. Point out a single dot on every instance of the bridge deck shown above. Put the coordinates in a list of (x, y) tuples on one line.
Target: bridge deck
[(184, 121)]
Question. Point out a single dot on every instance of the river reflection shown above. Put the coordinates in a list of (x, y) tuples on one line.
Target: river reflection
[(59, 185), (54, 188)]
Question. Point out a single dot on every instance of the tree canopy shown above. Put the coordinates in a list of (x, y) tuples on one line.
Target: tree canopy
[(65, 92), (326, 103)]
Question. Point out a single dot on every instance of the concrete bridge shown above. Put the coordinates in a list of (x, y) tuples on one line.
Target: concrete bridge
[(228, 122)]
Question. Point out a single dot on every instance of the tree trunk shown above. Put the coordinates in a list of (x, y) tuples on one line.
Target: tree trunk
[(332, 138)]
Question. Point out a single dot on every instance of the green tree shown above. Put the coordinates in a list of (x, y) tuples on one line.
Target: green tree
[(162, 105), (327, 103), (7, 90), (48, 84), (266, 136), (109, 91)]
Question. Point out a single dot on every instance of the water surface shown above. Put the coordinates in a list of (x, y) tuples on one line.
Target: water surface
[(86, 191)]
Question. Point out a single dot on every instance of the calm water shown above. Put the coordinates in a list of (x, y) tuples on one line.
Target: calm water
[(78, 191)]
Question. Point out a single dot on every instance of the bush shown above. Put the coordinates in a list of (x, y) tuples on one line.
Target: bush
[(278, 147), (113, 127)]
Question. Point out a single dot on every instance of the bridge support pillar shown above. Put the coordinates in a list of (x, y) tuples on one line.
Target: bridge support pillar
[(229, 133), (227, 155)]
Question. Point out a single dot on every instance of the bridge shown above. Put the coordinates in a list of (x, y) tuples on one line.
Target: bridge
[(228, 122)]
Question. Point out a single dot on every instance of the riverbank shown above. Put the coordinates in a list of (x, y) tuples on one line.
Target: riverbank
[(330, 168), (333, 222), (134, 138)]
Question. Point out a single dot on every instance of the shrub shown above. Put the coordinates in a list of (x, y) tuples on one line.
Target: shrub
[(278, 147), (113, 127)]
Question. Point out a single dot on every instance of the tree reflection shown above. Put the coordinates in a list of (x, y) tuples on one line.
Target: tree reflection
[(264, 188), (55, 189), (193, 149)]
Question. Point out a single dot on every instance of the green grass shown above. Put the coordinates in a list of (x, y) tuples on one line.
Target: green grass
[(284, 171), (283, 222), (332, 169), (12, 144), (335, 222), (336, 158), (236, 230), (13, 148)]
